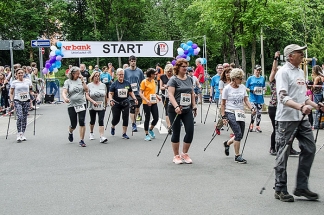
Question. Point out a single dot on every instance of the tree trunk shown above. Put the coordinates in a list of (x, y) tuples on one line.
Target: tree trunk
[(253, 52), (243, 59)]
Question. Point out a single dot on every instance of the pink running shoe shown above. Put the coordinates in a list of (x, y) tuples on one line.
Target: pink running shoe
[(185, 157), (177, 159)]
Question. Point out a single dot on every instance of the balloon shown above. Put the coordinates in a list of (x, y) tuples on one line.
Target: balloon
[(180, 51), (51, 61), (188, 58), (194, 46), (182, 44), (191, 50), (47, 65), (185, 47), (52, 53), (57, 52), (51, 69), (186, 52), (53, 48), (59, 58), (59, 44), (184, 56), (58, 64), (173, 62), (55, 70), (196, 51), (189, 43), (179, 56), (45, 71)]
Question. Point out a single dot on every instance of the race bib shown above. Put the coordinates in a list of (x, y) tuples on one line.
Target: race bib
[(79, 108), (185, 99), (134, 87), (104, 80), (153, 98), (239, 115), (122, 93), (24, 96), (100, 106), (258, 91)]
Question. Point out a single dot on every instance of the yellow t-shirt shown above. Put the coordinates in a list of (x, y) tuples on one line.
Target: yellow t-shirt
[(148, 88)]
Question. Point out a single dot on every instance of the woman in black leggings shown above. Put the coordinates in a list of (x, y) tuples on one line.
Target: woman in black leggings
[(118, 96), (181, 106)]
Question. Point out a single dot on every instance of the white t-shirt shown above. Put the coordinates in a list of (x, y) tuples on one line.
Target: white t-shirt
[(21, 89), (234, 97)]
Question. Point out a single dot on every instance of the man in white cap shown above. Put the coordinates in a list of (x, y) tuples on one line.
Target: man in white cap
[(292, 104)]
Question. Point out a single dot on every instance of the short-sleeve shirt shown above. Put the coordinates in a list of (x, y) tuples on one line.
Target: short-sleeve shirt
[(234, 97), (75, 92), (181, 86), (97, 93), (120, 89), (21, 89), (148, 88), (105, 78), (257, 85), (134, 77), (200, 70), (215, 84)]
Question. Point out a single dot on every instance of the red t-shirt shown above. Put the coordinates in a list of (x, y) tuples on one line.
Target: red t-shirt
[(200, 70), (67, 71)]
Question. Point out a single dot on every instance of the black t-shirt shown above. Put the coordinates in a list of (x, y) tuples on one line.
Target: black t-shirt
[(86, 75), (164, 80), (120, 90)]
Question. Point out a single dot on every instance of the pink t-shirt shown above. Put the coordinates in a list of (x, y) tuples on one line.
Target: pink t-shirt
[(308, 93)]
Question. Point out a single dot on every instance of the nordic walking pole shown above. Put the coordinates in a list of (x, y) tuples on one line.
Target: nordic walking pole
[(167, 135), (8, 123), (210, 141), (278, 159), (318, 126), (108, 118), (135, 121), (247, 134), (207, 112), (35, 116)]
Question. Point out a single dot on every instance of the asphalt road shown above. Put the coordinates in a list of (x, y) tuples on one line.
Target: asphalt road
[(49, 175)]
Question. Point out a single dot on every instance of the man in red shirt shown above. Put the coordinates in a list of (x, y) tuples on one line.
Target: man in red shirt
[(200, 74)]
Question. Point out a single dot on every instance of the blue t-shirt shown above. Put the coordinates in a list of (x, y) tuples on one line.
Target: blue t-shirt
[(257, 85), (134, 77), (105, 78), (215, 84), (120, 90)]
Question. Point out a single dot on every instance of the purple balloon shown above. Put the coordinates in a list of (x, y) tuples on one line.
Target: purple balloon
[(45, 71), (173, 62), (178, 57), (186, 52), (196, 52), (59, 58), (194, 46), (184, 56), (47, 65)]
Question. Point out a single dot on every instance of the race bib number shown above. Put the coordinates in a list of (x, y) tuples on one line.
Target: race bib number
[(122, 93), (258, 91), (239, 115), (79, 108), (24, 96), (85, 79), (185, 99), (153, 98), (99, 106), (105, 80), (134, 87)]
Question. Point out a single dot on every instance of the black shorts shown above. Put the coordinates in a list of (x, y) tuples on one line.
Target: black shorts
[(139, 102)]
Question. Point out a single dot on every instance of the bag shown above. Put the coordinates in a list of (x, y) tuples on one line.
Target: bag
[(124, 103), (49, 98)]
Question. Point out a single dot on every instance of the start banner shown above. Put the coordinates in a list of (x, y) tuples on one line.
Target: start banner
[(77, 49)]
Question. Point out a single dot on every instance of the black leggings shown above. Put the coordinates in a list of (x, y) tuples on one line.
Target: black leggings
[(165, 104), (187, 118), (272, 114), (147, 112), (74, 117), (116, 110), (101, 116)]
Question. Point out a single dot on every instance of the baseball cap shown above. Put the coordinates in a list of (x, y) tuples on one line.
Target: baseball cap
[(293, 47), (257, 67)]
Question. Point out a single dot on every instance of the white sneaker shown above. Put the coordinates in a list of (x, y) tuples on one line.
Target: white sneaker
[(103, 139), (91, 136), (18, 138), (22, 137)]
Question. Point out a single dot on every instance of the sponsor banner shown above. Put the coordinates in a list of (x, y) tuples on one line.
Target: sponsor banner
[(77, 49)]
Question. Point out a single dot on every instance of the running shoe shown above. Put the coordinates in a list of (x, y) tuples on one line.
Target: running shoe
[(103, 139), (293, 152), (185, 158), (139, 117), (112, 131), (283, 196), (257, 129), (306, 193), (18, 138), (82, 144), (70, 137), (22, 137), (134, 127), (226, 148), (91, 136), (273, 152), (125, 136), (147, 138), (251, 128), (177, 159), (239, 159), (151, 133)]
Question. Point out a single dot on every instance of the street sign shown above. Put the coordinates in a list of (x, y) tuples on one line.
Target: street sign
[(40, 43), (43, 51), (16, 45)]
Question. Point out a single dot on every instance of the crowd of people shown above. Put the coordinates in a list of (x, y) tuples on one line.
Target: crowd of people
[(179, 88)]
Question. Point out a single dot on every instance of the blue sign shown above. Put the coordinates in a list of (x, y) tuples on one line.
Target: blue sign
[(40, 43)]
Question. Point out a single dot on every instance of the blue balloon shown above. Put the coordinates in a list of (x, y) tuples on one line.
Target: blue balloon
[(185, 47), (182, 44), (59, 44), (189, 43), (58, 64), (57, 52), (51, 69), (188, 58)]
